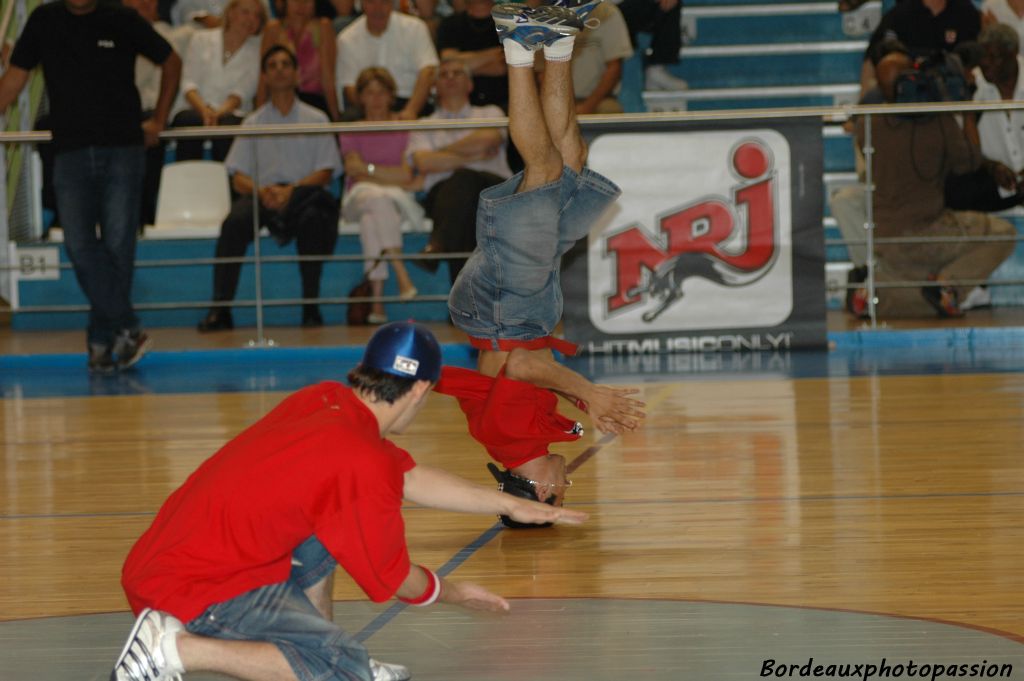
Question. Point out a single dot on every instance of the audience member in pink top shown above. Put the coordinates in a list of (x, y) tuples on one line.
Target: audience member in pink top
[(311, 38), (379, 182)]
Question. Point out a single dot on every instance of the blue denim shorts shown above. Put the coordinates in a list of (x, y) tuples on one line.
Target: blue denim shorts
[(316, 649), (510, 287)]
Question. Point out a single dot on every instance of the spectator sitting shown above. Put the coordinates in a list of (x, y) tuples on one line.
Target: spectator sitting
[(293, 201), (219, 78), (1000, 134), (471, 37), (394, 41), (378, 182), (203, 13), (913, 156), (924, 27), (1009, 12), (431, 12), (312, 40), (597, 60), (457, 165), (345, 13), (147, 82), (662, 19)]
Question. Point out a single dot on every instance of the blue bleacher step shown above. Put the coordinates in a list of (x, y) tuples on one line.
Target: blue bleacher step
[(805, 63), (774, 23), (754, 97)]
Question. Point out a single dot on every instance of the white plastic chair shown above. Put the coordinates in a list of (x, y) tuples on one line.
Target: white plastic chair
[(194, 197)]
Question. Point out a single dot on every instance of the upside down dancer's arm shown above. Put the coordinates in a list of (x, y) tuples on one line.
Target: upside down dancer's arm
[(611, 408)]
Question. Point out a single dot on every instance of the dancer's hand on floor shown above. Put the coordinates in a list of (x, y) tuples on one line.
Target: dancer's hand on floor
[(472, 596), (612, 410)]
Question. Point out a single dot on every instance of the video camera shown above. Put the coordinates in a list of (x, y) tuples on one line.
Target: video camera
[(938, 78)]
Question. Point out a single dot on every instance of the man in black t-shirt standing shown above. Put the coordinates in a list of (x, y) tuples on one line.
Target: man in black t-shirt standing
[(87, 49)]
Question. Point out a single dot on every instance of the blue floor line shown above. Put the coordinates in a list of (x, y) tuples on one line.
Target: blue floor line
[(464, 554), (851, 354)]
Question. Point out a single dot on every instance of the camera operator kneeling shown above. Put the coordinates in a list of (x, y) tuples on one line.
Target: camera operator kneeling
[(913, 157)]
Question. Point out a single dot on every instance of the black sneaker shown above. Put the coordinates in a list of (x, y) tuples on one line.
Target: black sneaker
[(944, 300), (129, 347), (217, 319), (311, 317), (857, 275), (101, 359)]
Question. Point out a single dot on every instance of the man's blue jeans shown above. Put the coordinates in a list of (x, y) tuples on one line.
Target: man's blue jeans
[(102, 186)]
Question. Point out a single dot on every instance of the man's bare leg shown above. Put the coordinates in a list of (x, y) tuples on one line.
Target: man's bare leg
[(321, 596), (529, 130), (560, 113), (246, 660)]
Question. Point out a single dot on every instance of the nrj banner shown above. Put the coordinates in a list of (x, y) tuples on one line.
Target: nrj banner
[(715, 244)]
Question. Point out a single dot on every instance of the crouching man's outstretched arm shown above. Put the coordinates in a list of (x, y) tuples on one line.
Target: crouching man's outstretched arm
[(436, 488)]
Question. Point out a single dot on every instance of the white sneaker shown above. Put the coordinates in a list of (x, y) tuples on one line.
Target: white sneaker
[(142, 659), (382, 671), (979, 297), (657, 77)]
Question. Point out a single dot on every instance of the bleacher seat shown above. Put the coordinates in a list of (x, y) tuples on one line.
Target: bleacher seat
[(194, 199)]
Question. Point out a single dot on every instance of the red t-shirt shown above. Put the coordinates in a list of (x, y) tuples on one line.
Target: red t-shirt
[(515, 421), (316, 464)]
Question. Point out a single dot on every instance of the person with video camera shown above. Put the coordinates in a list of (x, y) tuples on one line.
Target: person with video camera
[(925, 27), (913, 156)]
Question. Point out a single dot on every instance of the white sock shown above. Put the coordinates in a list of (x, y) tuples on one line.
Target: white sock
[(561, 49), (169, 648), (517, 54)]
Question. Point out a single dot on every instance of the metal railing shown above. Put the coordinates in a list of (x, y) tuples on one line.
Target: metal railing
[(595, 123)]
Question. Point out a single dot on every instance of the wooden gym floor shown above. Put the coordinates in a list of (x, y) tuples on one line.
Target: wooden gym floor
[(850, 518)]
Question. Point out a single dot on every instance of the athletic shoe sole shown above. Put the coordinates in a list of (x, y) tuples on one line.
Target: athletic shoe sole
[(139, 621), (533, 27)]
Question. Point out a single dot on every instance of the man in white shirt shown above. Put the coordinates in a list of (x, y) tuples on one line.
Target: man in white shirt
[(293, 172), (456, 165), (398, 42)]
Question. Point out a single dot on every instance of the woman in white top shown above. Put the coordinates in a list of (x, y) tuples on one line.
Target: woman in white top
[(220, 75)]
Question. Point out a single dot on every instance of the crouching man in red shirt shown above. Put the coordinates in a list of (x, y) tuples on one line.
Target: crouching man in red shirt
[(235, 574)]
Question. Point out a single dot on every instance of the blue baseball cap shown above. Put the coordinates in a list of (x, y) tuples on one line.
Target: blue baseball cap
[(404, 349)]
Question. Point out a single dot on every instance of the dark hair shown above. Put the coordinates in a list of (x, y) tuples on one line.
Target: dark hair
[(970, 54), (379, 384), (274, 49)]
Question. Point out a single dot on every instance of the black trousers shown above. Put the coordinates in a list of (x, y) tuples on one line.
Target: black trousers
[(311, 218), (192, 149), (977, 191), (451, 204), (644, 16)]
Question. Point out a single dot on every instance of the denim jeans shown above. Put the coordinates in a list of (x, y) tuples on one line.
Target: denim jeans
[(510, 287), (102, 186), (316, 649)]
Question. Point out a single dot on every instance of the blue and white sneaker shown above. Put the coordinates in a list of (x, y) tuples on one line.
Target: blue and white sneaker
[(534, 27), (581, 8)]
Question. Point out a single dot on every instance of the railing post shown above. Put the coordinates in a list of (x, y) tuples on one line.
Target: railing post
[(869, 224), (260, 341)]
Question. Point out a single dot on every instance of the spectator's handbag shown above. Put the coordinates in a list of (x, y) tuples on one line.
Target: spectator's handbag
[(358, 312)]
